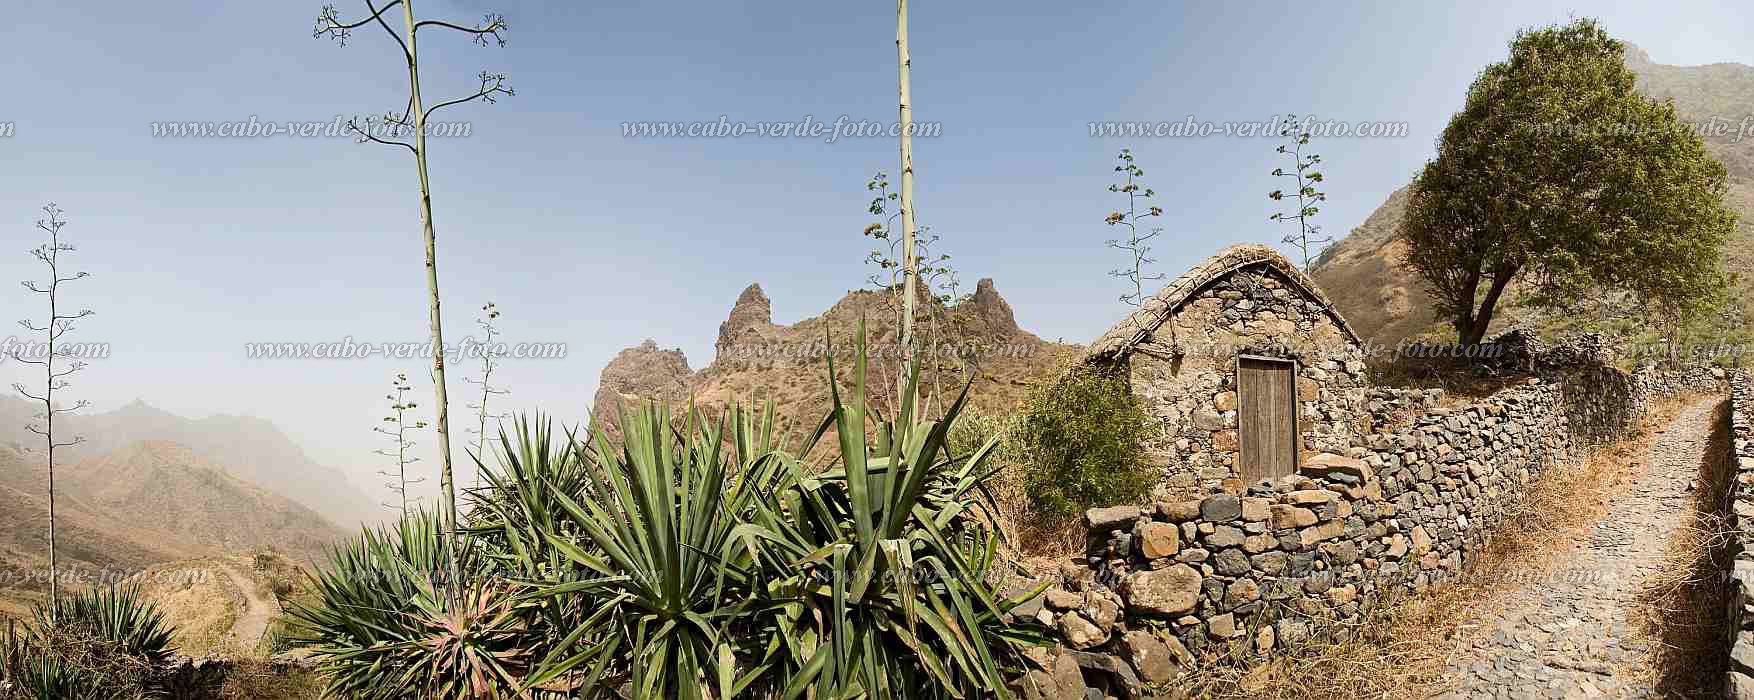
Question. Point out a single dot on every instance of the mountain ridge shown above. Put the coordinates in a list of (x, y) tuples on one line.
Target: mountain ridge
[(756, 358), (250, 448)]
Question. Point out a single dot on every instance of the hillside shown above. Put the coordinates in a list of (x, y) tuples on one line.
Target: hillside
[(164, 486), (145, 504), (757, 358), (1384, 301), (248, 448), (88, 538)]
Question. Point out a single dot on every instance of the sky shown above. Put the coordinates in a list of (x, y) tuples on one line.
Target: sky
[(583, 236)]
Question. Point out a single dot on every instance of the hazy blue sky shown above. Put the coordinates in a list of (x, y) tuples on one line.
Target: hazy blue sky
[(585, 237)]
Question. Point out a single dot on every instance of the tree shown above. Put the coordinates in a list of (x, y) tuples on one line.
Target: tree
[(399, 408), (412, 121), (1134, 244), (57, 325), (490, 356), (1559, 175), (1308, 236)]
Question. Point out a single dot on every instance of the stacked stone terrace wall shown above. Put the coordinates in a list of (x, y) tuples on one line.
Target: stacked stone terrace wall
[(1407, 505), (1739, 608)]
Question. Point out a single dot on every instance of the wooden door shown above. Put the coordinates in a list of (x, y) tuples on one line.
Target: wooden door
[(1266, 418)]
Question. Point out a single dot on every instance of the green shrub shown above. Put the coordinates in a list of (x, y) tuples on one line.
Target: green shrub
[(1080, 440)]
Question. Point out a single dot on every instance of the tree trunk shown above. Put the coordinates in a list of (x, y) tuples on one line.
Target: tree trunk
[(1473, 329), (448, 507), (910, 265)]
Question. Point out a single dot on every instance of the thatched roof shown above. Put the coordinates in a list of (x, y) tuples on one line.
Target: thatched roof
[(1138, 326)]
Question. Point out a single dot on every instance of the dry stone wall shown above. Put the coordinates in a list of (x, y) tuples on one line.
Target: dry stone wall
[(1184, 375), (1405, 505), (1740, 606)]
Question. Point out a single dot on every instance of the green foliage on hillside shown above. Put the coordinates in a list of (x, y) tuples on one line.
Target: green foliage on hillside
[(1080, 442), (1557, 174)]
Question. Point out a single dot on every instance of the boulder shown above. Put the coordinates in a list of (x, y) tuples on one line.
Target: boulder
[(1421, 541), (1289, 517), (1221, 508), (1224, 536), (1079, 632), (1064, 600), (1158, 540), (1255, 509), (1179, 512), (1150, 657), (1068, 680), (1322, 533), (1170, 591), (1222, 626), (1328, 465), (1121, 675), (1310, 497), (1110, 518), (1231, 562)]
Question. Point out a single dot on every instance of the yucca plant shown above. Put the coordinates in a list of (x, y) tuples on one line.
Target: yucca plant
[(887, 568), (510, 520), (117, 615), (651, 530), (519, 504), (692, 559), (381, 626), (103, 643)]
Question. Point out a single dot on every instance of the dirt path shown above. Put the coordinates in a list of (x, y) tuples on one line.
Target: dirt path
[(252, 621), (1566, 635)]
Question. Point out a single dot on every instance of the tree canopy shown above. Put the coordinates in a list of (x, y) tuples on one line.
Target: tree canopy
[(1559, 174)]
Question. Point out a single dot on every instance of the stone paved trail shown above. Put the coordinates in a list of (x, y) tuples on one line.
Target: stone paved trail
[(1566, 636)]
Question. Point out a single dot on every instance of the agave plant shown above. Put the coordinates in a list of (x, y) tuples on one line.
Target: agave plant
[(651, 529), (887, 569), (104, 643), (382, 626), (692, 559), (117, 615)]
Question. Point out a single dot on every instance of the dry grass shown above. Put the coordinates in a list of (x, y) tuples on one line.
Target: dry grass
[(1400, 648), (256, 680), (199, 601), (1682, 617)]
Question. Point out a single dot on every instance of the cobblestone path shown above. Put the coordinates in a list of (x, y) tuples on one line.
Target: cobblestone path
[(1566, 636)]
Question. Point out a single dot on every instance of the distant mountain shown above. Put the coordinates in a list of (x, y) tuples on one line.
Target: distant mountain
[(87, 535), (756, 358), (165, 486), (1383, 300), (251, 449), (144, 504)]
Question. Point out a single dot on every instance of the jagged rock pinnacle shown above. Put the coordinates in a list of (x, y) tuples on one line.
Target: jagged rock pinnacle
[(752, 311), (993, 310)]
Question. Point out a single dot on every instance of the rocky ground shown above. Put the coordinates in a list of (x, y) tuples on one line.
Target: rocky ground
[(1567, 634)]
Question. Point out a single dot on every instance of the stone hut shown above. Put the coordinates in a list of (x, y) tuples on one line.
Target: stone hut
[(1246, 368)]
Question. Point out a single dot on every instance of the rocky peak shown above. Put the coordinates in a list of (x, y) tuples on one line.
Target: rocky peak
[(993, 310), (642, 371), (752, 311)]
